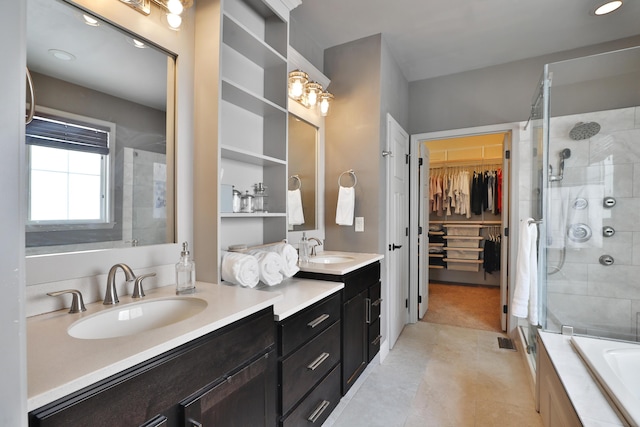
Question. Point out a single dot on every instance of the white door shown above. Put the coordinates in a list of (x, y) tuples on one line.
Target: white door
[(423, 238), (397, 155)]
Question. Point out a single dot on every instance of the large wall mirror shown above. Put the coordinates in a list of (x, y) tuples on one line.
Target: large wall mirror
[(97, 147), (101, 149), (303, 174)]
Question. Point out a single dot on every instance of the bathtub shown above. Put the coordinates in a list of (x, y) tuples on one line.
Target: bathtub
[(616, 366)]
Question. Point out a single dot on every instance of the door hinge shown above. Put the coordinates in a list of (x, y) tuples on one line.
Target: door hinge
[(406, 231), (504, 309), (419, 230), (507, 154), (506, 232), (420, 161), (419, 299), (406, 158), (406, 303)]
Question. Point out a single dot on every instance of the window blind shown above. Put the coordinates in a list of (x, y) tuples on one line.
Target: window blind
[(50, 132)]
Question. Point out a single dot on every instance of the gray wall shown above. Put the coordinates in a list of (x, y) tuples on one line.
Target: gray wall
[(493, 95), (13, 359)]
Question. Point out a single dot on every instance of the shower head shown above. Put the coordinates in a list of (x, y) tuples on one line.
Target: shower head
[(584, 130), (565, 154)]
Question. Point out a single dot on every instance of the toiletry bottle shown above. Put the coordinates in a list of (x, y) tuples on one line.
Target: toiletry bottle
[(304, 248), (185, 272)]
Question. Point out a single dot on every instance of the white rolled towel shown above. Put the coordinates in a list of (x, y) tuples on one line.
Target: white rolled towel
[(240, 269), (289, 256), (270, 264)]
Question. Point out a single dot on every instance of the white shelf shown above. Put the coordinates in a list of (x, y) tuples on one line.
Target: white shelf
[(245, 156), (464, 261), (239, 96), (451, 248), (242, 40), (252, 215)]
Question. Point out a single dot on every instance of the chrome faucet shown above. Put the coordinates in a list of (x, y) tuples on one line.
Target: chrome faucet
[(111, 296), (313, 248)]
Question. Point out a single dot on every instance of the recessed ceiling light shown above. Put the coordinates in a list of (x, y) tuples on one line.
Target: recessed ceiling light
[(61, 55), (608, 7), (136, 43), (90, 20)]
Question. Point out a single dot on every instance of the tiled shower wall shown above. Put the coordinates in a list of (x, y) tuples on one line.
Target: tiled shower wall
[(593, 298)]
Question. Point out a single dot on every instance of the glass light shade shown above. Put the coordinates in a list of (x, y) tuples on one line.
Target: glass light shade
[(175, 6), (325, 99), (313, 91), (608, 7), (174, 21), (297, 81)]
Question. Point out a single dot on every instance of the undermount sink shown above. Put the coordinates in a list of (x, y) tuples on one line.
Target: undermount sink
[(330, 259), (136, 317)]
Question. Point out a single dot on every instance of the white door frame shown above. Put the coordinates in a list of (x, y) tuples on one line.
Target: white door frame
[(416, 140)]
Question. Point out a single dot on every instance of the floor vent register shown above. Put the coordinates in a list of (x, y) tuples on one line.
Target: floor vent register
[(506, 343)]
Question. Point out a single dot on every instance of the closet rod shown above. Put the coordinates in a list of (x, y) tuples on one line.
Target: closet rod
[(467, 222), (459, 163)]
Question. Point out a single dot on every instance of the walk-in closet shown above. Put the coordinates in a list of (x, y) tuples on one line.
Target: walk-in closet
[(466, 203)]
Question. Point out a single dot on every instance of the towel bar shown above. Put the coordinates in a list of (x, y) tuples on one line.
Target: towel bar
[(350, 172)]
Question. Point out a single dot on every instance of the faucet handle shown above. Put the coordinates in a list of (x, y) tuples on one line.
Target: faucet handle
[(77, 303), (138, 292)]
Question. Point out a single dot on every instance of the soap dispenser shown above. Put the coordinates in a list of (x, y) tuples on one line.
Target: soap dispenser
[(303, 248), (185, 272)]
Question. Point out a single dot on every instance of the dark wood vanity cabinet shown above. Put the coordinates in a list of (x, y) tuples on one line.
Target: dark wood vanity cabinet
[(226, 378), (309, 351), (361, 303)]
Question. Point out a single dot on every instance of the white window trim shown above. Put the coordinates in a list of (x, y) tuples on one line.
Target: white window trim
[(34, 226)]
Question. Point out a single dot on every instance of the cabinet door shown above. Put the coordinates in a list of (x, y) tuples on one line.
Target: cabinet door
[(354, 339), (245, 398)]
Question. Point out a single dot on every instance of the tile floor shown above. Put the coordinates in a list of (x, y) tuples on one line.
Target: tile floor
[(440, 375)]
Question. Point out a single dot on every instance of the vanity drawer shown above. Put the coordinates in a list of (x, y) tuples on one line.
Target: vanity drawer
[(374, 339), (305, 367), (316, 408), (299, 328)]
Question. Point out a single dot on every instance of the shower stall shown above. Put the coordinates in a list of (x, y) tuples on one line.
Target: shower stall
[(584, 139)]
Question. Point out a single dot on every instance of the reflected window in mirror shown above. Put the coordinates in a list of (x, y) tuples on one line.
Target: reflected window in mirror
[(303, 164), (107, 80)]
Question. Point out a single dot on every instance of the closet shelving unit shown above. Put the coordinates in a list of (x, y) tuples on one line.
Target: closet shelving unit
[(438, 256), (241, 121), (463, 247)]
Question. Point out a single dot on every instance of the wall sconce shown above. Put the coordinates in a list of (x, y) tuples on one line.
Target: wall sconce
[(173, 9), (309, 94)]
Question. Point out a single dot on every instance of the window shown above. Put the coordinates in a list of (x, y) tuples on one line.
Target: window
[(69, 164)]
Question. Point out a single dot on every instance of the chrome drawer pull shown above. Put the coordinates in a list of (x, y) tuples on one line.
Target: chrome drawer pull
[(314, 365), (367, 314), (318, 320), (377, 302), (315, 415), (194, 423), (377, 340)]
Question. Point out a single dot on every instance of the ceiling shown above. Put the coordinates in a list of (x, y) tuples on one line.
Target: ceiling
[(430, 39)]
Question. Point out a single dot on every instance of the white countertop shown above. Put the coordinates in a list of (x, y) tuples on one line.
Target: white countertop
[(298, 294), (58, 364), (588, 400), (359, 260)]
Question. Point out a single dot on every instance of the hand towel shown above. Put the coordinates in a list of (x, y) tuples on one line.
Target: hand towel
[(289, 256), (270, 264), (346, 205), (240, 269), (295, 213), (525, 296)]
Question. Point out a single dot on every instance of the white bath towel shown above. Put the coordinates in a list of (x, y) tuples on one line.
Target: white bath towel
[(295, 214), (346, 206), (240, 269), (270, 264), (289, 256), (525, 296)]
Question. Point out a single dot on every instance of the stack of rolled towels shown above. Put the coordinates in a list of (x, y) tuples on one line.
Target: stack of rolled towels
[(269, 265)]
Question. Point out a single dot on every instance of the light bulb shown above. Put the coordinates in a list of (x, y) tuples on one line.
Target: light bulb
[(174, 21), (312, 98), (175, 7), (324, 106), (296, 89)]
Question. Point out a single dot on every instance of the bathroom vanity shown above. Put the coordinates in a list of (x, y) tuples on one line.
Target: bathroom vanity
[(361, 303)]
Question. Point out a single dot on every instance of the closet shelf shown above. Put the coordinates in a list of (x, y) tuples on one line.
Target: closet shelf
[(464, 261), (456, 237), (451, 248), (436, 245)]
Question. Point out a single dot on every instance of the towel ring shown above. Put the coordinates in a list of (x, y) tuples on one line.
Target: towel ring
[(350, 172), (297, 181)]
